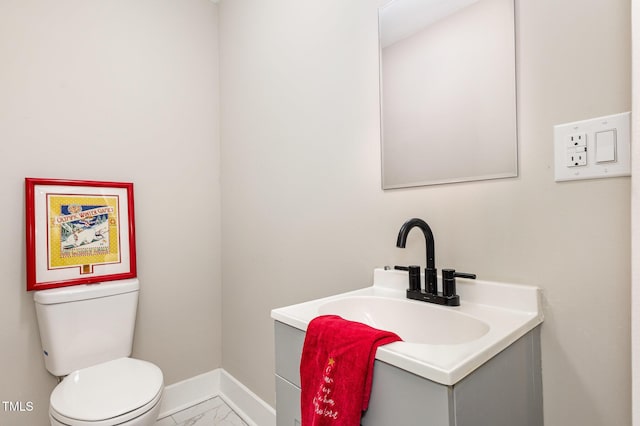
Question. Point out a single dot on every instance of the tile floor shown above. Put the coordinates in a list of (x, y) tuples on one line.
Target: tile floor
[(213, 412)]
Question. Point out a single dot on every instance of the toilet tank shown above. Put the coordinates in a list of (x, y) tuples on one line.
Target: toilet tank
[(86, 325)]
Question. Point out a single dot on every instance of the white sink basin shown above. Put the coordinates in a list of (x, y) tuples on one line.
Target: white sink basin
[(442, 344), (414, 322)]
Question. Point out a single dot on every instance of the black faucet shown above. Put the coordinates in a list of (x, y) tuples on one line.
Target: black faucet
[(448, 295), (430, 272)]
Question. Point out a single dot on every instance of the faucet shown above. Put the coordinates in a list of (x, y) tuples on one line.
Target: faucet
[(430, 272), (448, 295)]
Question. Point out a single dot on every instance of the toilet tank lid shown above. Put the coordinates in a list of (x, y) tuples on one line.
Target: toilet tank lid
[(86, 291)]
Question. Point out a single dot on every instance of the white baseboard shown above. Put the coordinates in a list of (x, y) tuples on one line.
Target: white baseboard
[(189, 392), (253, 410)]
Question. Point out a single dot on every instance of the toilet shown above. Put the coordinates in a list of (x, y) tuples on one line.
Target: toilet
[(87, 336)]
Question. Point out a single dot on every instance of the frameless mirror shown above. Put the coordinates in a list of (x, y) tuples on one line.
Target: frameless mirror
[(448, 91)]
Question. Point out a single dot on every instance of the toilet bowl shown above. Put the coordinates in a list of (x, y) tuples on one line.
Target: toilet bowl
[(124, 391)]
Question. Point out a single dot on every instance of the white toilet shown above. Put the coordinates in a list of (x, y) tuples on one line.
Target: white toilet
[(87, 335)]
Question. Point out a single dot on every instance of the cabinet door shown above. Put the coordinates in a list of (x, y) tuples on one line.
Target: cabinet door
[(289, 341), (404, 399), (397, 397), (287, 403), (505, 391)]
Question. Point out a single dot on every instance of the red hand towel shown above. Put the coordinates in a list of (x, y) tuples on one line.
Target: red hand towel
[(336, 370)]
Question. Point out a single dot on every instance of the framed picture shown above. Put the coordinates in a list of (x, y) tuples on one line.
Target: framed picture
[(78, 232)]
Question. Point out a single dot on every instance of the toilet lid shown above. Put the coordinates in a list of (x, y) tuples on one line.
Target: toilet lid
[(107, 390)]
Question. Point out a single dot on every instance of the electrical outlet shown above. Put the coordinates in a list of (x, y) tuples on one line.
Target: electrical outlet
[(576, 157), (577, 139)]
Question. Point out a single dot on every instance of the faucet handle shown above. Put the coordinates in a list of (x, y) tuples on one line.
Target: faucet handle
[(414, 276), (449, 281), (464, 275)]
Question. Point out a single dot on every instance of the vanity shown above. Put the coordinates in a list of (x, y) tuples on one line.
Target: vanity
[(475, 364)]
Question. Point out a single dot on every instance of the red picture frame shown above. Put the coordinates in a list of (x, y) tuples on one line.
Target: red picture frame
[(78, 232)]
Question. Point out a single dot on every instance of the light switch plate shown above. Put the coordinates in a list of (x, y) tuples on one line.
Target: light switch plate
[(566, 134)]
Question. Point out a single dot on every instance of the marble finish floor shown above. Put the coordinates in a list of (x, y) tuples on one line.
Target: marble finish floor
[(213, 412)]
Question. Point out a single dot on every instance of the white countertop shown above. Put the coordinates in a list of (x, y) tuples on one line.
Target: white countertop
[(509, 310)]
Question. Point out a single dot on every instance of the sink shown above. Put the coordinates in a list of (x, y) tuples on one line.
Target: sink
[(414, 322), (440, 343)]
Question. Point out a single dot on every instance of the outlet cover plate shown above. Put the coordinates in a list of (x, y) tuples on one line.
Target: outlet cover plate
[(621, 123)]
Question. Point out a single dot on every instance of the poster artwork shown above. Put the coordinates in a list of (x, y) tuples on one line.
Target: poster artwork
[(83, 231)]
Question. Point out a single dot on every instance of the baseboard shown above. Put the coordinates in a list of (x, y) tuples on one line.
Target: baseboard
[(189, 392), (253, 410)]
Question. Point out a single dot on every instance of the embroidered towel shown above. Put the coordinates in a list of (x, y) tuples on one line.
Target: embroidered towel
[(336, 370)]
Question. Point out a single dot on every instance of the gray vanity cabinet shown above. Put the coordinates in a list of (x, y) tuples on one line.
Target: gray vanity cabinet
[(505, 391)]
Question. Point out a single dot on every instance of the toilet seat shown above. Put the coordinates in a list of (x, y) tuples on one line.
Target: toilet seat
[(110, 393)]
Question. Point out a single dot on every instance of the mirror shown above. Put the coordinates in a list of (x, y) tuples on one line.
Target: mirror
[(448, 91)]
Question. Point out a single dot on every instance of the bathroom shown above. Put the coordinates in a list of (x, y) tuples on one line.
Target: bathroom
[(251, 131)]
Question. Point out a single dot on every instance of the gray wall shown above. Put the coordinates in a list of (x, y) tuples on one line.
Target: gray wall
[(304, 216), (127, 91)]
